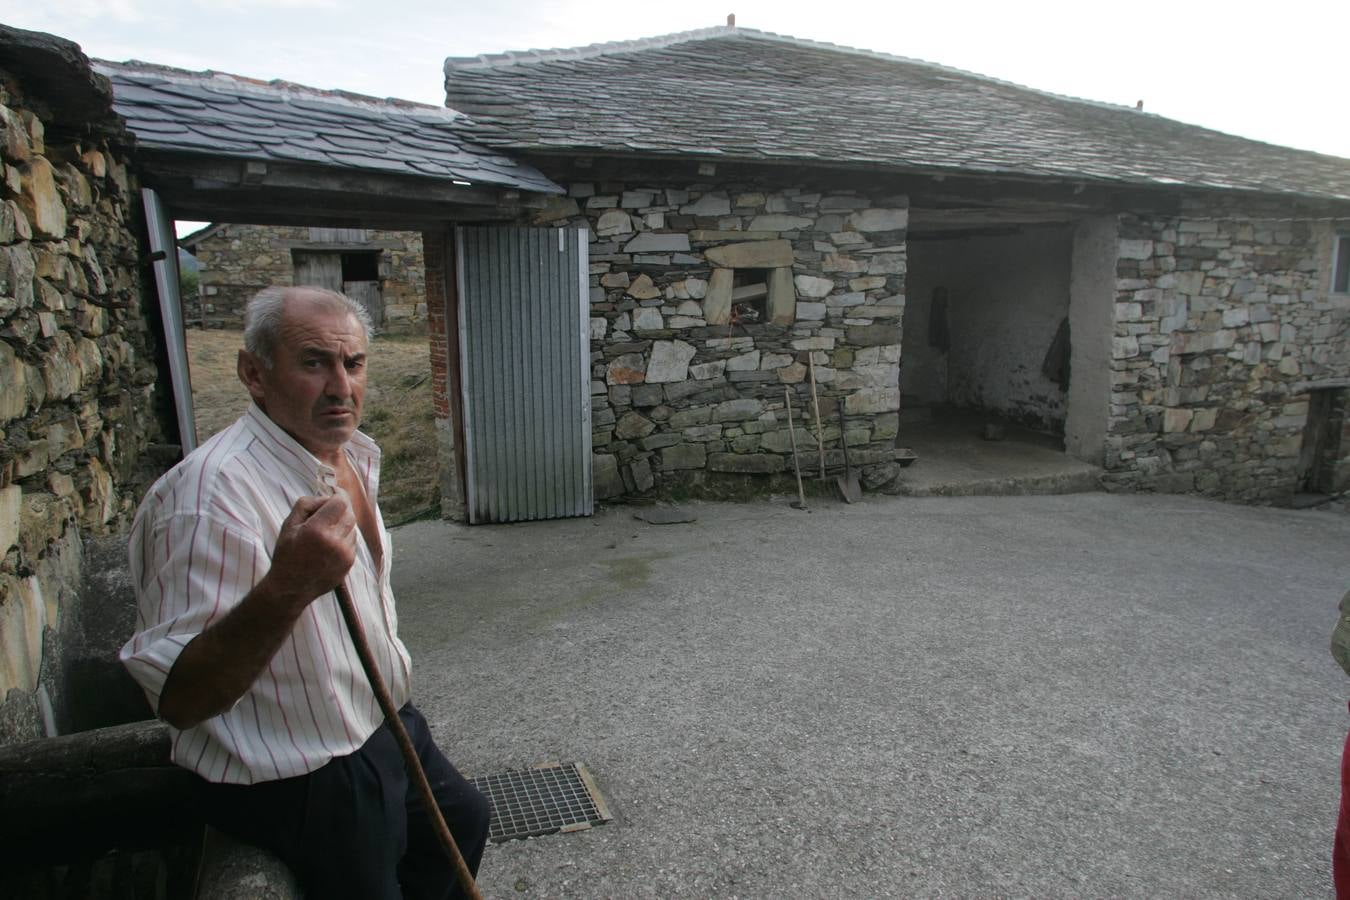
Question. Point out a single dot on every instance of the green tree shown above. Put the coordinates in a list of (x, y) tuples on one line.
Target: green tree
[(188, 283)]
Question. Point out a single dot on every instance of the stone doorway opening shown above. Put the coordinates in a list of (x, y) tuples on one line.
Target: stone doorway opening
[(1004, 375), (1324, 462), (986, 333)]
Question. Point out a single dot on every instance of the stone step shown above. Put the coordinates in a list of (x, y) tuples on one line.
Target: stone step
[(1079, 482)]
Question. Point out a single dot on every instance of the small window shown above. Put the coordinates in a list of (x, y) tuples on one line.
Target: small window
[(361, 267), (1340, 269), (750, 296)]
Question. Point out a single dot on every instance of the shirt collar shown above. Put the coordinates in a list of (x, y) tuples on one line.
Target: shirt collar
[(290, 453)]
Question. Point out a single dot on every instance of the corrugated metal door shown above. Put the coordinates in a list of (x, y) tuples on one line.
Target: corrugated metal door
[(524, 333)]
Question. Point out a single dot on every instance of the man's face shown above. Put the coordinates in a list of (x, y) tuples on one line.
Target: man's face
[(317, 380)]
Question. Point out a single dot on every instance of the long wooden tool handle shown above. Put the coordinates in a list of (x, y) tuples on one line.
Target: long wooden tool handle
[(414, 765), (787, 400), (815, 408)]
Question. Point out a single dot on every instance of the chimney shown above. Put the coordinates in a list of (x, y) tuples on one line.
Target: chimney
[(731, 20)]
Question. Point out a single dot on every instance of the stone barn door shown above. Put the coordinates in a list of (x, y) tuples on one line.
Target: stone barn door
[(318, 269), (524, 337), (367, 293)]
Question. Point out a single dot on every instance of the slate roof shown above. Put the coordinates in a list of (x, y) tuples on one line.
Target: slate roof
[(216, 114), (737, 93)]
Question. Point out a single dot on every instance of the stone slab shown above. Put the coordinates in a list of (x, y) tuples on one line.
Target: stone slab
[(752, 255), (746, 463), (665, 515)]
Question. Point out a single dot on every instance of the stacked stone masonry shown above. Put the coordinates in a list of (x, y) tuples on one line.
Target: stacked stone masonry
[(709, 301), (1224, 323), (239, 260), (77, 370)]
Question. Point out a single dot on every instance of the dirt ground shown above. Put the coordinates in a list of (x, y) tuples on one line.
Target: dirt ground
[(398, 412)]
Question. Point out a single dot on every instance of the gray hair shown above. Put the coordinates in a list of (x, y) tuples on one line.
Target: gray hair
[(262, 316)]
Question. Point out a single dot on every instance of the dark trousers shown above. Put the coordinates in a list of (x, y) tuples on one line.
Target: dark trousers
[(357, 826)]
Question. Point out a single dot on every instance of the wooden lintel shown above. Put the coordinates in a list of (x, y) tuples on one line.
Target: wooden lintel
[(956, 234), (192, 207), (343, 247), (750, 292)]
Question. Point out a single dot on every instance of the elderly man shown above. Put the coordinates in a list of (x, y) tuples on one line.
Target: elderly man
[(241, 646)]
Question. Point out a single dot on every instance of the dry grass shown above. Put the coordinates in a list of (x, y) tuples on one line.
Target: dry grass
[(398, 412)]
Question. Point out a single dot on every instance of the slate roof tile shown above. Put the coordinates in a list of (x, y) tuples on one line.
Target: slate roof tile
[(230, 116), (287, 150), (763, 96)]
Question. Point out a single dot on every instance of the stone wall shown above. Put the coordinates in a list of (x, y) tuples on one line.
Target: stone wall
[(1223, 320), (76, 361), (239, 260), (707, 301)]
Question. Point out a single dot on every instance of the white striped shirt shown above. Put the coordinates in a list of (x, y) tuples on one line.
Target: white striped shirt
[(202, 538)]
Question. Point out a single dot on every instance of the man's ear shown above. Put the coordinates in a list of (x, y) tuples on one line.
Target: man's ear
[(250, 369)]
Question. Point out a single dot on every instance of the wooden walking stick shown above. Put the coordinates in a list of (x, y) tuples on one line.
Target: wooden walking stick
[(815, 408), (410, 760), (797, 466)]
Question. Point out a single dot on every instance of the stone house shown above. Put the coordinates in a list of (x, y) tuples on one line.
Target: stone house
[(383, 269), (747, 209), (1159, 294)]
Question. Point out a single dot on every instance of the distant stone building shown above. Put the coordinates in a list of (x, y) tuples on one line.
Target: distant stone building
[(383, 269)]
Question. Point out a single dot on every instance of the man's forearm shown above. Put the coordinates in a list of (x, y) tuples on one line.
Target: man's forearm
[(219, 665)]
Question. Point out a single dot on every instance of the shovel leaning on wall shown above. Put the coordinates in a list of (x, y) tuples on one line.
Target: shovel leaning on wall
[(849, 489)]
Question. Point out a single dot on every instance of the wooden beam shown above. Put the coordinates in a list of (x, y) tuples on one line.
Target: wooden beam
[(348, 247), (214, 172), (285, 208)]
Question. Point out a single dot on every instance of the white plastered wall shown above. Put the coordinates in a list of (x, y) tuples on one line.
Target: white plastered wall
[(1006, 297)]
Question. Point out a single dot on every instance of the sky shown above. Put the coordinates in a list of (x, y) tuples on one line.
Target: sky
[(1274, 71)]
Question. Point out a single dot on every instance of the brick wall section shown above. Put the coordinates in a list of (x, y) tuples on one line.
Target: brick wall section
[(435, 249), (78, 370), (239, 260), (442, 332), (1223, 318)]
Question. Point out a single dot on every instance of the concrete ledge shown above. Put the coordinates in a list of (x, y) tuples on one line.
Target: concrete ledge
[(1062, 483)]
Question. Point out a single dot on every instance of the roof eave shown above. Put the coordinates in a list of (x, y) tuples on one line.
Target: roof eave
[(928, 171)]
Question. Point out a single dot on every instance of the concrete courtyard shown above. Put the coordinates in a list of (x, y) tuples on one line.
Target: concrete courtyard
[(1047, 696)]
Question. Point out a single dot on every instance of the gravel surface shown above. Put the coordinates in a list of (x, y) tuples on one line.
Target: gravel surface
[(1083, 695)]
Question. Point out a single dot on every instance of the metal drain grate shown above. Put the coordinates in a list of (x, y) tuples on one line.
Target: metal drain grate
[(541, 800)]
